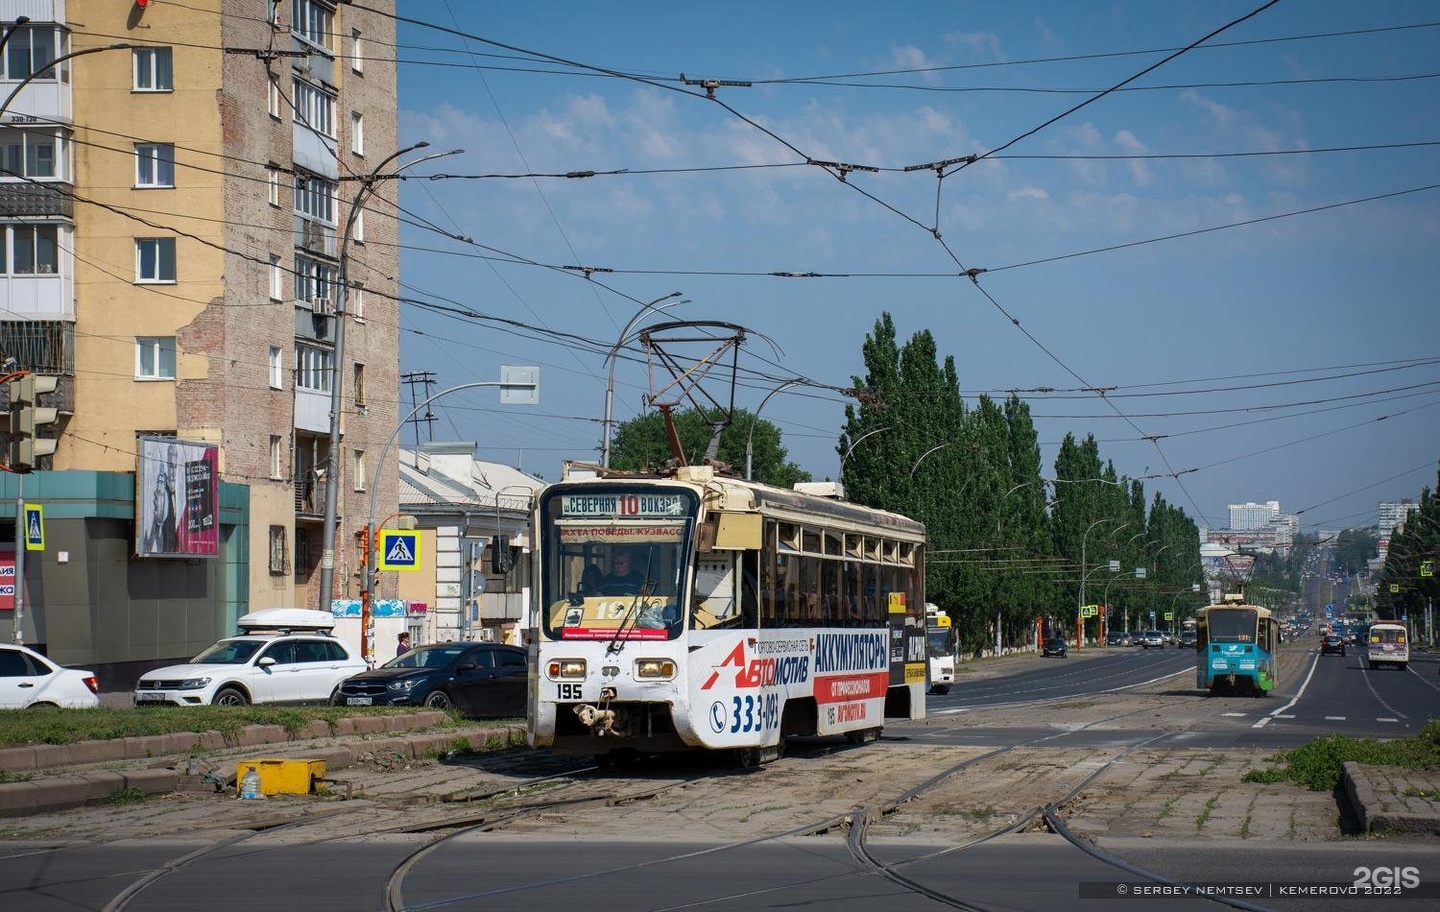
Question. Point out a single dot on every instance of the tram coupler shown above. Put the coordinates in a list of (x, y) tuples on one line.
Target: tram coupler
[(600, 721)]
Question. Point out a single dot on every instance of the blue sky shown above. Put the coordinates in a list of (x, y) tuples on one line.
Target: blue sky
[(1241, 247)]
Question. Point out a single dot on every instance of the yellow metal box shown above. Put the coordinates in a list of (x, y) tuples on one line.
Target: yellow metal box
[(282, 777)]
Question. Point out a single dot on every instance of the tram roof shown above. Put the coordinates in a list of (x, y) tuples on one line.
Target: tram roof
[(769, 499), (1260, 609)]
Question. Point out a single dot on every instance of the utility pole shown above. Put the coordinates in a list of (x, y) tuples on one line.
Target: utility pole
[(427, 380)]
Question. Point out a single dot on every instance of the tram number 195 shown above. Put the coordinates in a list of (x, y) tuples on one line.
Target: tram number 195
[(754, 713), (568, 692)]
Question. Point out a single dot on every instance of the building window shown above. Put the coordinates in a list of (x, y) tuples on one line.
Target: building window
[(277, 550), (357, 52), (357, 302), (154, 165), (303, 564), (358, 470), (357, 132), (272, 184), (357, 233), (153, 70), (272, 98), (315, 197), (315, 107), (35, 250), (314, 280), (27, 154), (155, 259), (155, 358), (277, 456), (277, 279), (313, 21), (313, 368), (277, 368), (359, 385), (29, 51)]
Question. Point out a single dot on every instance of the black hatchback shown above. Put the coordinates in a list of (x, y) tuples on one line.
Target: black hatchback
[(481, 680)]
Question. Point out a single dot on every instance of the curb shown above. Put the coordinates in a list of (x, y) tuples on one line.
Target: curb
[(18, 799), (1366, 787)]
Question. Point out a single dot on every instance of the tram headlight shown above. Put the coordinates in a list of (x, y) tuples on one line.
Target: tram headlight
[(566, 668), (655, 669)]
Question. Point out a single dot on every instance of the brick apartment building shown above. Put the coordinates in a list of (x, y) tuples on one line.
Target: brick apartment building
[(174, 215)]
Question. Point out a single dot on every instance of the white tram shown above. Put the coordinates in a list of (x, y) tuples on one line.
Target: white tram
[(748, 614)]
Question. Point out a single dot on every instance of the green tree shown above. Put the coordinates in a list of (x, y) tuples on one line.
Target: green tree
[(1413, 546), (642, 445)]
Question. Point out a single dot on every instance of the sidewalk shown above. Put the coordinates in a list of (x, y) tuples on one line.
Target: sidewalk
[(55, 777)]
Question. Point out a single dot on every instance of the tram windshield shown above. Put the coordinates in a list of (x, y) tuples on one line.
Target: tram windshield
[(1231, 625), (613, 563)]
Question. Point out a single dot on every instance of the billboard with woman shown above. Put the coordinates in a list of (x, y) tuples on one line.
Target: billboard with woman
[(177, 508)]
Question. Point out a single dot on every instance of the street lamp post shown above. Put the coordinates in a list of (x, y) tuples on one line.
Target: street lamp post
[(624, 337), (367, 595), (938, 446), (856, 442), (755, 419), (337, 374), (1080, 599)]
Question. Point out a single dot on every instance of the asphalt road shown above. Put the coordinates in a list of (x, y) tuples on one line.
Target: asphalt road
[(1147, 771)]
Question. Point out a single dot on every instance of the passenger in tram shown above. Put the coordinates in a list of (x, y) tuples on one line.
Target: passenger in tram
[(624, 578)]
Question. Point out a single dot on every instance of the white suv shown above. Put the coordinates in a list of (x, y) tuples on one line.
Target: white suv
[(282, 655)]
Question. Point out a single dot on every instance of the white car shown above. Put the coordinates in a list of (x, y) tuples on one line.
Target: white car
[(29, 679), (281, 655)]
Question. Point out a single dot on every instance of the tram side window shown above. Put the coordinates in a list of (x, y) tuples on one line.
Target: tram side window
[(809, 591), (854, 594)]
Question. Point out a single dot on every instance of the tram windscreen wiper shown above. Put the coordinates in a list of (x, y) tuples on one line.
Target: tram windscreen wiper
[(632, 611)]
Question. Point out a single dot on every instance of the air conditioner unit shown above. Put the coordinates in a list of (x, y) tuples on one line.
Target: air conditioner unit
[(320, 305)]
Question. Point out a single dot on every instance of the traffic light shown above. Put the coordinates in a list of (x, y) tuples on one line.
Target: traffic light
[(27, 416), (500, 557)]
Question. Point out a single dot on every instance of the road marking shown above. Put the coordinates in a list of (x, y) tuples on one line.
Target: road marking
[(1298, 694), (1383, 719), (1235, 715), (1286, 716), (951, 712), (1334, 718)]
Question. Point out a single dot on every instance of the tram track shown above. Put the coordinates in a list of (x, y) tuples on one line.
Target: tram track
[(857, 824)]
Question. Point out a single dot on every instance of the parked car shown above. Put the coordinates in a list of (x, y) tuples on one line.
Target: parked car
[(1055, 646), (29, 679), (1333, 645), (477, 679), (1187, 640), (1117, 638), (1152, 638), (281, 655)]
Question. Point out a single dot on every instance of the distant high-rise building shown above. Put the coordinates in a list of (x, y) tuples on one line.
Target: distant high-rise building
[(1249, 516), (1393, 513)]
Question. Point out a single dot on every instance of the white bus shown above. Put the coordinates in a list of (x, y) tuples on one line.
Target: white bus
[(1387, 644), (941, 647), (750, 614)]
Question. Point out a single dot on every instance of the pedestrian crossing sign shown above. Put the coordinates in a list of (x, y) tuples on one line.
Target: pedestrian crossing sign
[(34, 527), (398, 551)]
